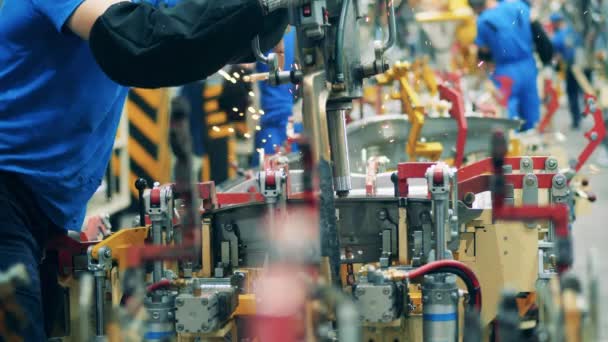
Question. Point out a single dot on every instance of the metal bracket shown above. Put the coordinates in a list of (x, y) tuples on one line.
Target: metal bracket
[(530, 194), (526, 165), (551, 165), (559, 191)]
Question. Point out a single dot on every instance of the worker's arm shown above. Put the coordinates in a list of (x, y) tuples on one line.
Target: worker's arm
[(482, 40), (139, 45)]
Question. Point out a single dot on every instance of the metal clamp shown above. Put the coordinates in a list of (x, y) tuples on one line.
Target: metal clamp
[(272, 184), (443, 187)]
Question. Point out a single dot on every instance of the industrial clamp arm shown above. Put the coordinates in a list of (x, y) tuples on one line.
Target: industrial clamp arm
[(410, 105), (596, 134), (458, 113), (551, 101)]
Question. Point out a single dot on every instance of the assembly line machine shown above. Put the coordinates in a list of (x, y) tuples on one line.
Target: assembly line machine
[(471, 249)]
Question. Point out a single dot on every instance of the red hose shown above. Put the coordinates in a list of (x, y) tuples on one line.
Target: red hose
[(158, 285), (442, 264)]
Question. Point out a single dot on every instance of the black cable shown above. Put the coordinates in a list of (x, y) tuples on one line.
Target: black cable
[(340, 42)]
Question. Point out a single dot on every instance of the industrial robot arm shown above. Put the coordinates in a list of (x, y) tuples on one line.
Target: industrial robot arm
[(139, 45)]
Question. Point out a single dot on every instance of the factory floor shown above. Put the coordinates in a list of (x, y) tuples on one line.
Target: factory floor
[(591, 229)]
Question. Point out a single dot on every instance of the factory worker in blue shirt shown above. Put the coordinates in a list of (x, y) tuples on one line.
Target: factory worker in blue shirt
[(276, 104), (504, 37), (565, 41), (64, 65)]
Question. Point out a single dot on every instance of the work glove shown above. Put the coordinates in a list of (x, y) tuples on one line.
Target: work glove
[(272, 32)]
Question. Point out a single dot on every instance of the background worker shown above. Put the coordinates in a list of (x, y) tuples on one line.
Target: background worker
[(565, 42), (63, 68), (276, 103), (504, 37)]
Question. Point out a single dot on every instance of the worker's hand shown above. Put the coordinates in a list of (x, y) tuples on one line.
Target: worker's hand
[(272, 32)]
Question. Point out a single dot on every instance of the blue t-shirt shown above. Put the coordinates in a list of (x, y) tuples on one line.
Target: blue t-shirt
[(58, 111), (505, 30), (277, 102), (565, 41)]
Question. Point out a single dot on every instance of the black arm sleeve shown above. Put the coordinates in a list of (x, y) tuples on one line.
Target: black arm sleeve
[(141, 46)]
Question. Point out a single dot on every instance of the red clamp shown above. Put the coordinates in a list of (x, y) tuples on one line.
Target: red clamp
[(506, 89), (596, 134), (475, 177), (551, 105), (155, 197), (67, 249), (458, 113)]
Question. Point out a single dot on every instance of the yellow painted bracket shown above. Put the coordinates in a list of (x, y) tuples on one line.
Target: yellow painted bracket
[(120, 242), (410, 104)]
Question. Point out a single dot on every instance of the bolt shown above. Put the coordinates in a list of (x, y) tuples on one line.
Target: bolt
[(439, 296), (204, 327), (593, 136), (560, 180), (228, 227), (530, 180), (308, 59), (382, 215), (526, 162), (386, 291), (425, 299), (170, 314), (107, 253), (155, 315), (205, 301), (179, 302), (551, 164), (180, 327)]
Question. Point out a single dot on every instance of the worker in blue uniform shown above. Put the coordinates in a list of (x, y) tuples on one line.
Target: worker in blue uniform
[(64, 68), (276, 104), (504, 37), (565, 41)]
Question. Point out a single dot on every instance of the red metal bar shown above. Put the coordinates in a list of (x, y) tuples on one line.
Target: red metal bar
[(506, 89), (407, 171), (596, 135), (486, 166), (458, 113), (481, 183), (224, 199), (67, 248), (557, 214), (551, 105)]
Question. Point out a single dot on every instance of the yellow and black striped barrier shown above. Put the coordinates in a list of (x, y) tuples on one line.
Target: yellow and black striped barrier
[(149, 152)]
